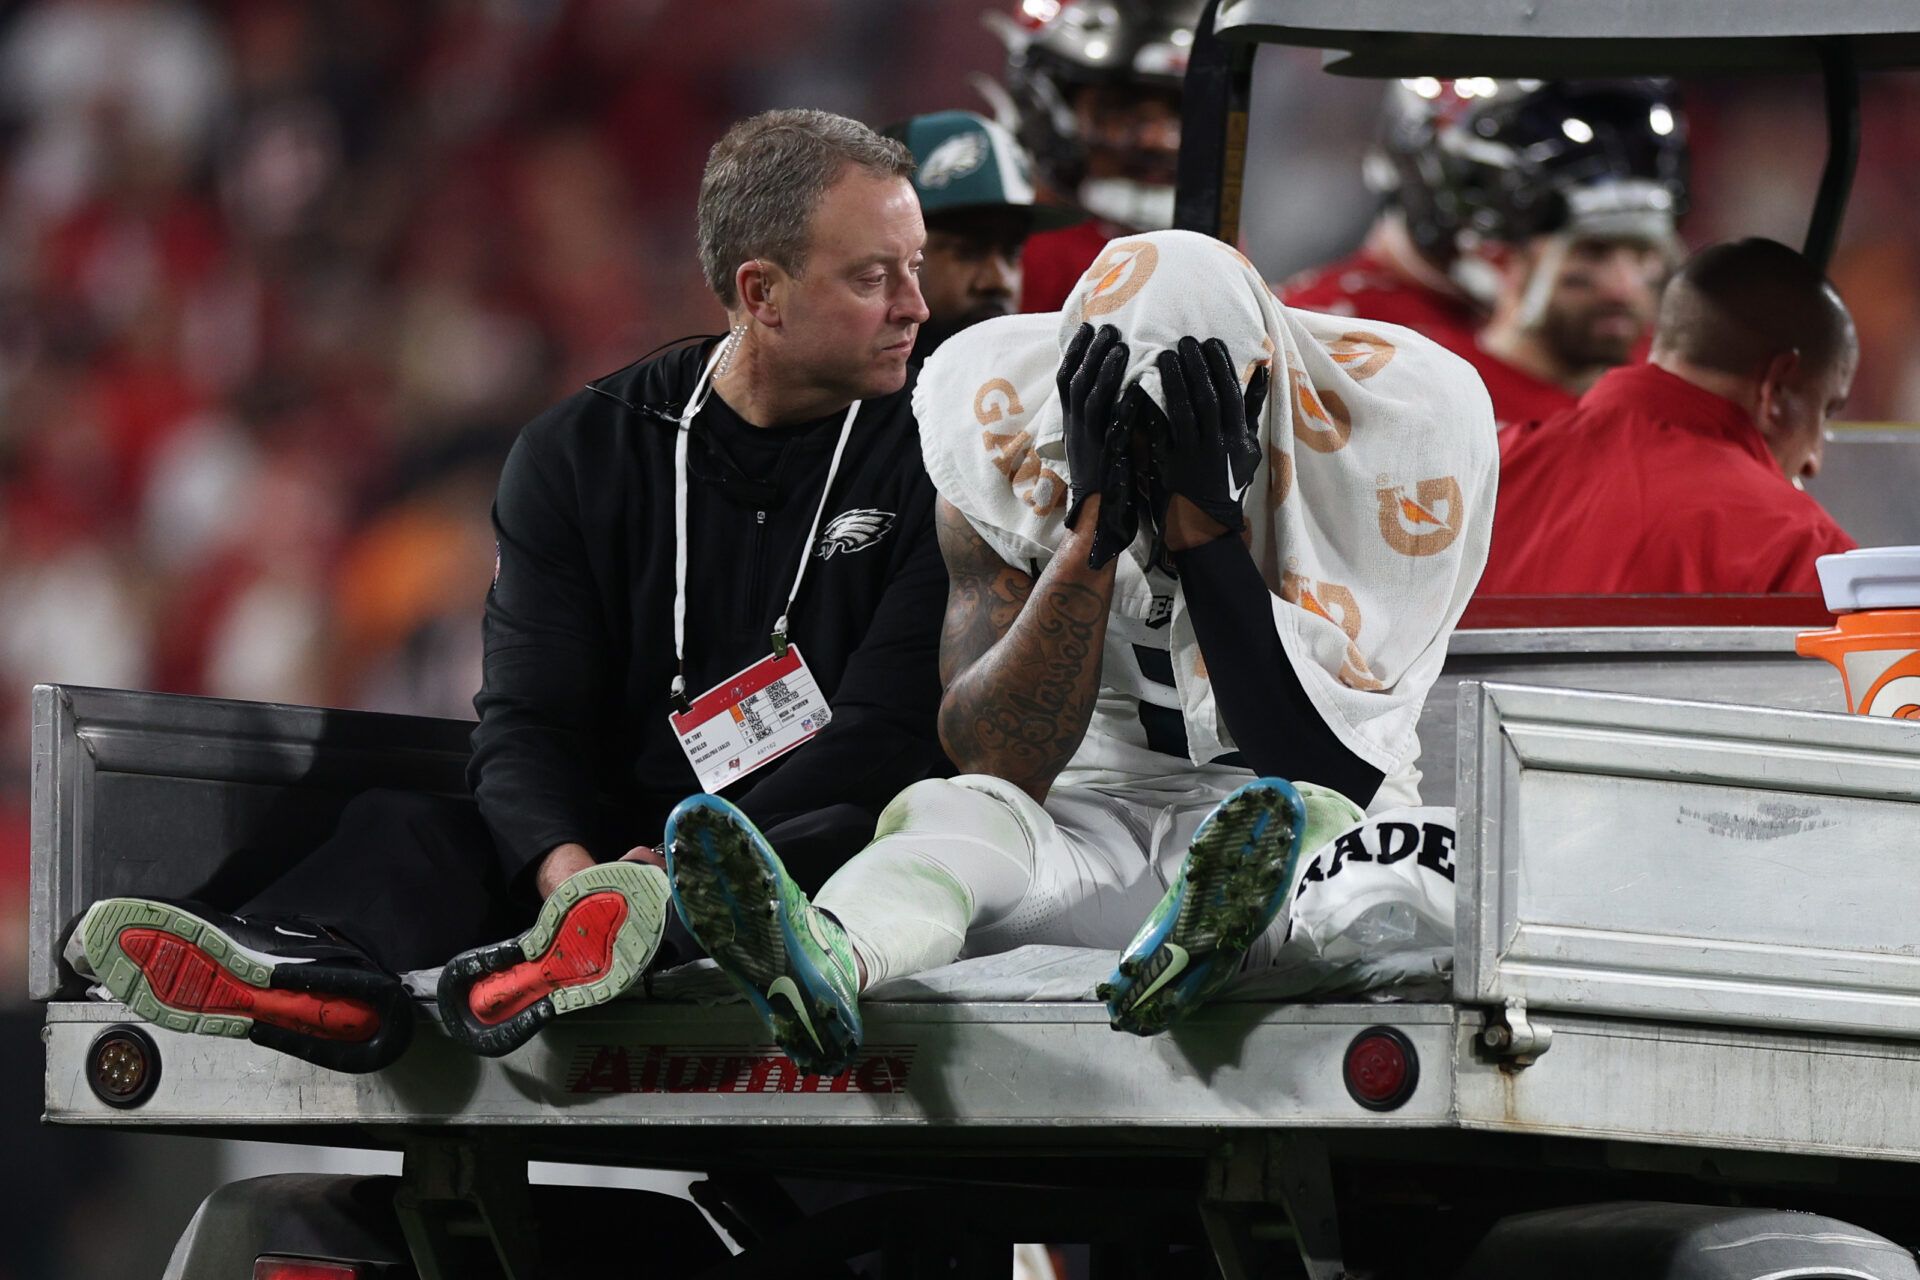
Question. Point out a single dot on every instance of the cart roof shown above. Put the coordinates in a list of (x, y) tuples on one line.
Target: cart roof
[(1572, 38)]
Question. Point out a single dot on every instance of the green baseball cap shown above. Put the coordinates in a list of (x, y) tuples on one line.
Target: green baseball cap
[(965, 161)]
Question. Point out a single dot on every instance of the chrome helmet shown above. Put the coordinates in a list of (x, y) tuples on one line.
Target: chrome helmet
[(1056, 46), (1476, 159)]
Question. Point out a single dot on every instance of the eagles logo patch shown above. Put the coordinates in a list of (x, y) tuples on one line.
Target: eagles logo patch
[(852, 531), (953, 159)]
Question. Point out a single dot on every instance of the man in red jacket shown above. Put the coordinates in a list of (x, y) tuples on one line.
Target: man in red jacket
[(1527, 228), (1678, 476)]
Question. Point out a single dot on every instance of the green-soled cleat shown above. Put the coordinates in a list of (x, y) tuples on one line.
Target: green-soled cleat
[(791, 961), (1235, 879)]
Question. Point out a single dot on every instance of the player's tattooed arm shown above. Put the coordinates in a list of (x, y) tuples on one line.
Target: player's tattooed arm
[(1020, 659), (984, 593)]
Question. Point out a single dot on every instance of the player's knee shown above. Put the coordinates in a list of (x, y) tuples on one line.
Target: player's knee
[(972, 807), (928, 803)]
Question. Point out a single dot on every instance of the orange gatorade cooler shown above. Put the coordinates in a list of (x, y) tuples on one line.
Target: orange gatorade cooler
[(1875, 592)]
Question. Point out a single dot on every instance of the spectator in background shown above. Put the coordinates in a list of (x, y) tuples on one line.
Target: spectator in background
[(976, 194), (86, 76), (1680, 475), (1094, 93), (1527, 228)]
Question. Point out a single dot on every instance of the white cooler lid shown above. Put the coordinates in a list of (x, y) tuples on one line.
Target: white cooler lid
[(1871, 578)]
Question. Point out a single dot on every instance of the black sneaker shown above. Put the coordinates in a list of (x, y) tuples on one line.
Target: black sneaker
[(593, 939), (286, 984)]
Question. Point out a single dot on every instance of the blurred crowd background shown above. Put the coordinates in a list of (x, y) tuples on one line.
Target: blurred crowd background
[(280, 279)]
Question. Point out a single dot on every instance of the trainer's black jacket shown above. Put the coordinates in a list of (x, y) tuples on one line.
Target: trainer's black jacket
[(573, 742)]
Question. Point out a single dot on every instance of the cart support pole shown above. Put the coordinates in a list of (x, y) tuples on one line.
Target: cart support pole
[(1264, 1190), (1213, 132), (1843, 150), (453, 1192)]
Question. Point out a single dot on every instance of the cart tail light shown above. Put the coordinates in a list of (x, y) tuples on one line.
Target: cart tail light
[(1381, 1068), (272, 1268)]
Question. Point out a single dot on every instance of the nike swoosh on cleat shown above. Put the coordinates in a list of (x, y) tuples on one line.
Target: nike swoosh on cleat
[(289, 933), (783, 986), (1173, 970)]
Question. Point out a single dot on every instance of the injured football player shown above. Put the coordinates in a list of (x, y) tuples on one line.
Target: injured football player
[(1205, 555)]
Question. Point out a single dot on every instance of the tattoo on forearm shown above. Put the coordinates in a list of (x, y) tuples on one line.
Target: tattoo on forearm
[(1022, 709), (979, 612), (984, 593), (1021, 662)]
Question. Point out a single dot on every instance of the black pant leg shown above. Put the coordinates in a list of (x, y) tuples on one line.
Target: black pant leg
[(814, 845), (410, 879)]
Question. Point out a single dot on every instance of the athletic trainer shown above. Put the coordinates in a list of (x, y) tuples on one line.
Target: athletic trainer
[(717, 571)]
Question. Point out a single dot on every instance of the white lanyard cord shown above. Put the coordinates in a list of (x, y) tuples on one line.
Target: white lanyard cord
[(695, 402), (806, 554)]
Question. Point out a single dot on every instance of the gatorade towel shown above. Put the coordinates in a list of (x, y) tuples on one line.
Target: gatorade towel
[(1369, 517)]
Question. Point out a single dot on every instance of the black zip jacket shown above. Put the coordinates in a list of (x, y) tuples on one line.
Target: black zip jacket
[(573, 742)]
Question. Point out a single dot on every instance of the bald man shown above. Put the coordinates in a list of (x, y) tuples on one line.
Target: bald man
[(1679, 476)]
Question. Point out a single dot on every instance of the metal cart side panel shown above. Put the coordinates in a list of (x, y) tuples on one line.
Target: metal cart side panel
[(165, 795), (1724, 1089), (1665, 859), (1052, 1067)]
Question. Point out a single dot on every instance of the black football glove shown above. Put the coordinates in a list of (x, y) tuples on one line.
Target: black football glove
[(1099, 457), (1206, 444)]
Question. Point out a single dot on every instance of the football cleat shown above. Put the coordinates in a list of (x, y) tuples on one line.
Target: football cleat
[(1238, 870), (792, 961)]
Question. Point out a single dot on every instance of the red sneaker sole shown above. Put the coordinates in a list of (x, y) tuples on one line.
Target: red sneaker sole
[(186, 978), (581, 952)]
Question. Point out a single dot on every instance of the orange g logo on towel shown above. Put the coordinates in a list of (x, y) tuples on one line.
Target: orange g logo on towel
[(1356, 674), (1361, 354), (1040, 487), (996, 400), (1328, 600), (1122, 270), (1337, 605), (1424, 524), (1320, 418)]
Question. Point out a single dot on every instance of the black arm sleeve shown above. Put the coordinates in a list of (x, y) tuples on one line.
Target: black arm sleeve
[(545, 666), (881, 736), (1273, 722)]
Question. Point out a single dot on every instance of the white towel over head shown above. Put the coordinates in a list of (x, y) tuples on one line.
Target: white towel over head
[(1369, 517)]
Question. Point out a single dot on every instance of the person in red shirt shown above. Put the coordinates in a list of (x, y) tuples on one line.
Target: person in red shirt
[(1527, 228), (1093, 92), (1388, 278), (1679, 476)]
